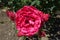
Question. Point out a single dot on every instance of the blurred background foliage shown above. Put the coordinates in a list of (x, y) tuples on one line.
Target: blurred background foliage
[(44, 5), (47, 6)]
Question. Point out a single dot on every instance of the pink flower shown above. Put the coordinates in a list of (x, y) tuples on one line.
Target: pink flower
[(11, 15), (28, 20)]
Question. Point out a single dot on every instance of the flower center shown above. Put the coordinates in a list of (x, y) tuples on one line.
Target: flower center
[(26, 21)]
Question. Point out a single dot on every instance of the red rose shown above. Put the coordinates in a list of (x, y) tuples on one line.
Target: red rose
[(28, 20), (11, 15)]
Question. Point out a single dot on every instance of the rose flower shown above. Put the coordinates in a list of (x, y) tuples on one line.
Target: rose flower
[(28, 20)]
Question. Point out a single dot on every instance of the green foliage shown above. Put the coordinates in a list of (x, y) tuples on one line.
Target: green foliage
[(45, 5)]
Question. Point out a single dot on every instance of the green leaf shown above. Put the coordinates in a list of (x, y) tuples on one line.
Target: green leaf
[(38, 3), (34, 2)]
